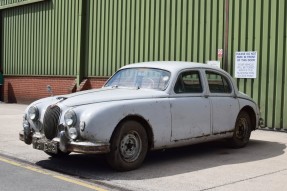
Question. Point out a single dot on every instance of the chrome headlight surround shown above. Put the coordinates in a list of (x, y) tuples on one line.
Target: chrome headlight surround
[(70, 119), (33, 113)]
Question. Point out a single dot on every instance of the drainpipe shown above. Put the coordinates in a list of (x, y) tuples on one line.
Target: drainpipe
[(1, 41), (81, 41), (226, 30)]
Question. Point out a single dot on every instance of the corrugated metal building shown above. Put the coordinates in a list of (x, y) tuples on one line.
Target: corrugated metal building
[(63, 43)]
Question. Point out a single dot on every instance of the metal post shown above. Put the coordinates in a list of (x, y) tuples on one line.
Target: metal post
[(1, 41), (226, 30)]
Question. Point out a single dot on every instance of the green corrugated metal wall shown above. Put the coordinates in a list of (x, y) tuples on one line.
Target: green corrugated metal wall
[(118, 32), (41, 38), (260, 25), (128, 31), (5, 2)]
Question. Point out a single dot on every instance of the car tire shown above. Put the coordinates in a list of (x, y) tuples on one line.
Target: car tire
[(242, 131), (129, 145), (60, 154)]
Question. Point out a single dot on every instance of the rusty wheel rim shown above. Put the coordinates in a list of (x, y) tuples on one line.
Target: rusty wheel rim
[(131, 146), (242, 128)]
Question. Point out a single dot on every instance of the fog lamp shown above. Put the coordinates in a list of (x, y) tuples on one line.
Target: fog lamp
[(73, 134)]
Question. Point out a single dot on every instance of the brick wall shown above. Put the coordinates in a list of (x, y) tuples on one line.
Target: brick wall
[(26, 89), (19, 89), (97, 82)]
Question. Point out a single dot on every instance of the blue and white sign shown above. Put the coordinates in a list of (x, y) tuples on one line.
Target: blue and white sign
[(245, 64)]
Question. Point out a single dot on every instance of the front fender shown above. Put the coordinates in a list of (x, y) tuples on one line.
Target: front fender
[(102, 118)]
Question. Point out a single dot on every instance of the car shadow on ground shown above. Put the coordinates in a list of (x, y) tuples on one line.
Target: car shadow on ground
[(166, 163)]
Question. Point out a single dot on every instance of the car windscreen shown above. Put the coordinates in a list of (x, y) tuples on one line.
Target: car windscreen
[(140, 78)]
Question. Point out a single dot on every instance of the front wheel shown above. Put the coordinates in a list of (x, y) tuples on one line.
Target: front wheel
[(129, 145), (242, 131)]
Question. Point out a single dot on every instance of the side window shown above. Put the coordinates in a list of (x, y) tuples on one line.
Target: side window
[(217, 83), (188, 82)]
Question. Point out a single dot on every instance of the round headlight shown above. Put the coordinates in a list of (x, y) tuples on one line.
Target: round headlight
[(70, 118), (33, 113), (73, 134)]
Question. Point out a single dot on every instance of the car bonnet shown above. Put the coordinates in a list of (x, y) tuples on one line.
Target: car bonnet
[(107, 95)]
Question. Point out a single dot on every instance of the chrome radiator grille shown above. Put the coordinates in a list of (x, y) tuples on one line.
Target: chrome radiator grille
[(51, 121)]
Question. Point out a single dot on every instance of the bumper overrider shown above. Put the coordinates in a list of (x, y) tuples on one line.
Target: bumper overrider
[(62, 143), (261, 123)]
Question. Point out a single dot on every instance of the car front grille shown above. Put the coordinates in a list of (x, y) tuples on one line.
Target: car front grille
[(51, 121)]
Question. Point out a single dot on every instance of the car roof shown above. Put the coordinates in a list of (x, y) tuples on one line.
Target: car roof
[(171, 66)]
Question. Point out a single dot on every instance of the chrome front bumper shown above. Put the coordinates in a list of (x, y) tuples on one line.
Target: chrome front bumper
[(53, 146)]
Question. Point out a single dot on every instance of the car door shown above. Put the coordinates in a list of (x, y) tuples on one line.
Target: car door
[(224, 105), (190, 109)]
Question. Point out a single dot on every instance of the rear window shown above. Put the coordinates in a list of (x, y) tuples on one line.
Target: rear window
[(217, 83)]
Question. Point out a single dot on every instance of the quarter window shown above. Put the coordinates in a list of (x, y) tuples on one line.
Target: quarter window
[(188, 82), (217, 83)]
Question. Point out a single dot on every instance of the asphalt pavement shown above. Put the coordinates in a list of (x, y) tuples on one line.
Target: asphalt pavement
[(16, 176), (262, 165)]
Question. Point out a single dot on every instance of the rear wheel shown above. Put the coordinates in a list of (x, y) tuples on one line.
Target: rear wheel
[(129, 145), (242, 130)]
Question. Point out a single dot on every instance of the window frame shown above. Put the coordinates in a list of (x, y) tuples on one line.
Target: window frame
[(201, 81), (227, 79)]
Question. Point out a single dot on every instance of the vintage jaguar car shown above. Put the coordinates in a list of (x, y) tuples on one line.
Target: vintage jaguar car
[(142, 107)]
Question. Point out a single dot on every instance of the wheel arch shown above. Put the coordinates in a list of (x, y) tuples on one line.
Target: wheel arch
[(252, 115), (145, 124)]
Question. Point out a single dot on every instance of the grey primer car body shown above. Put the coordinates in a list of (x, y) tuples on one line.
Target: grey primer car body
[(142, 107)]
